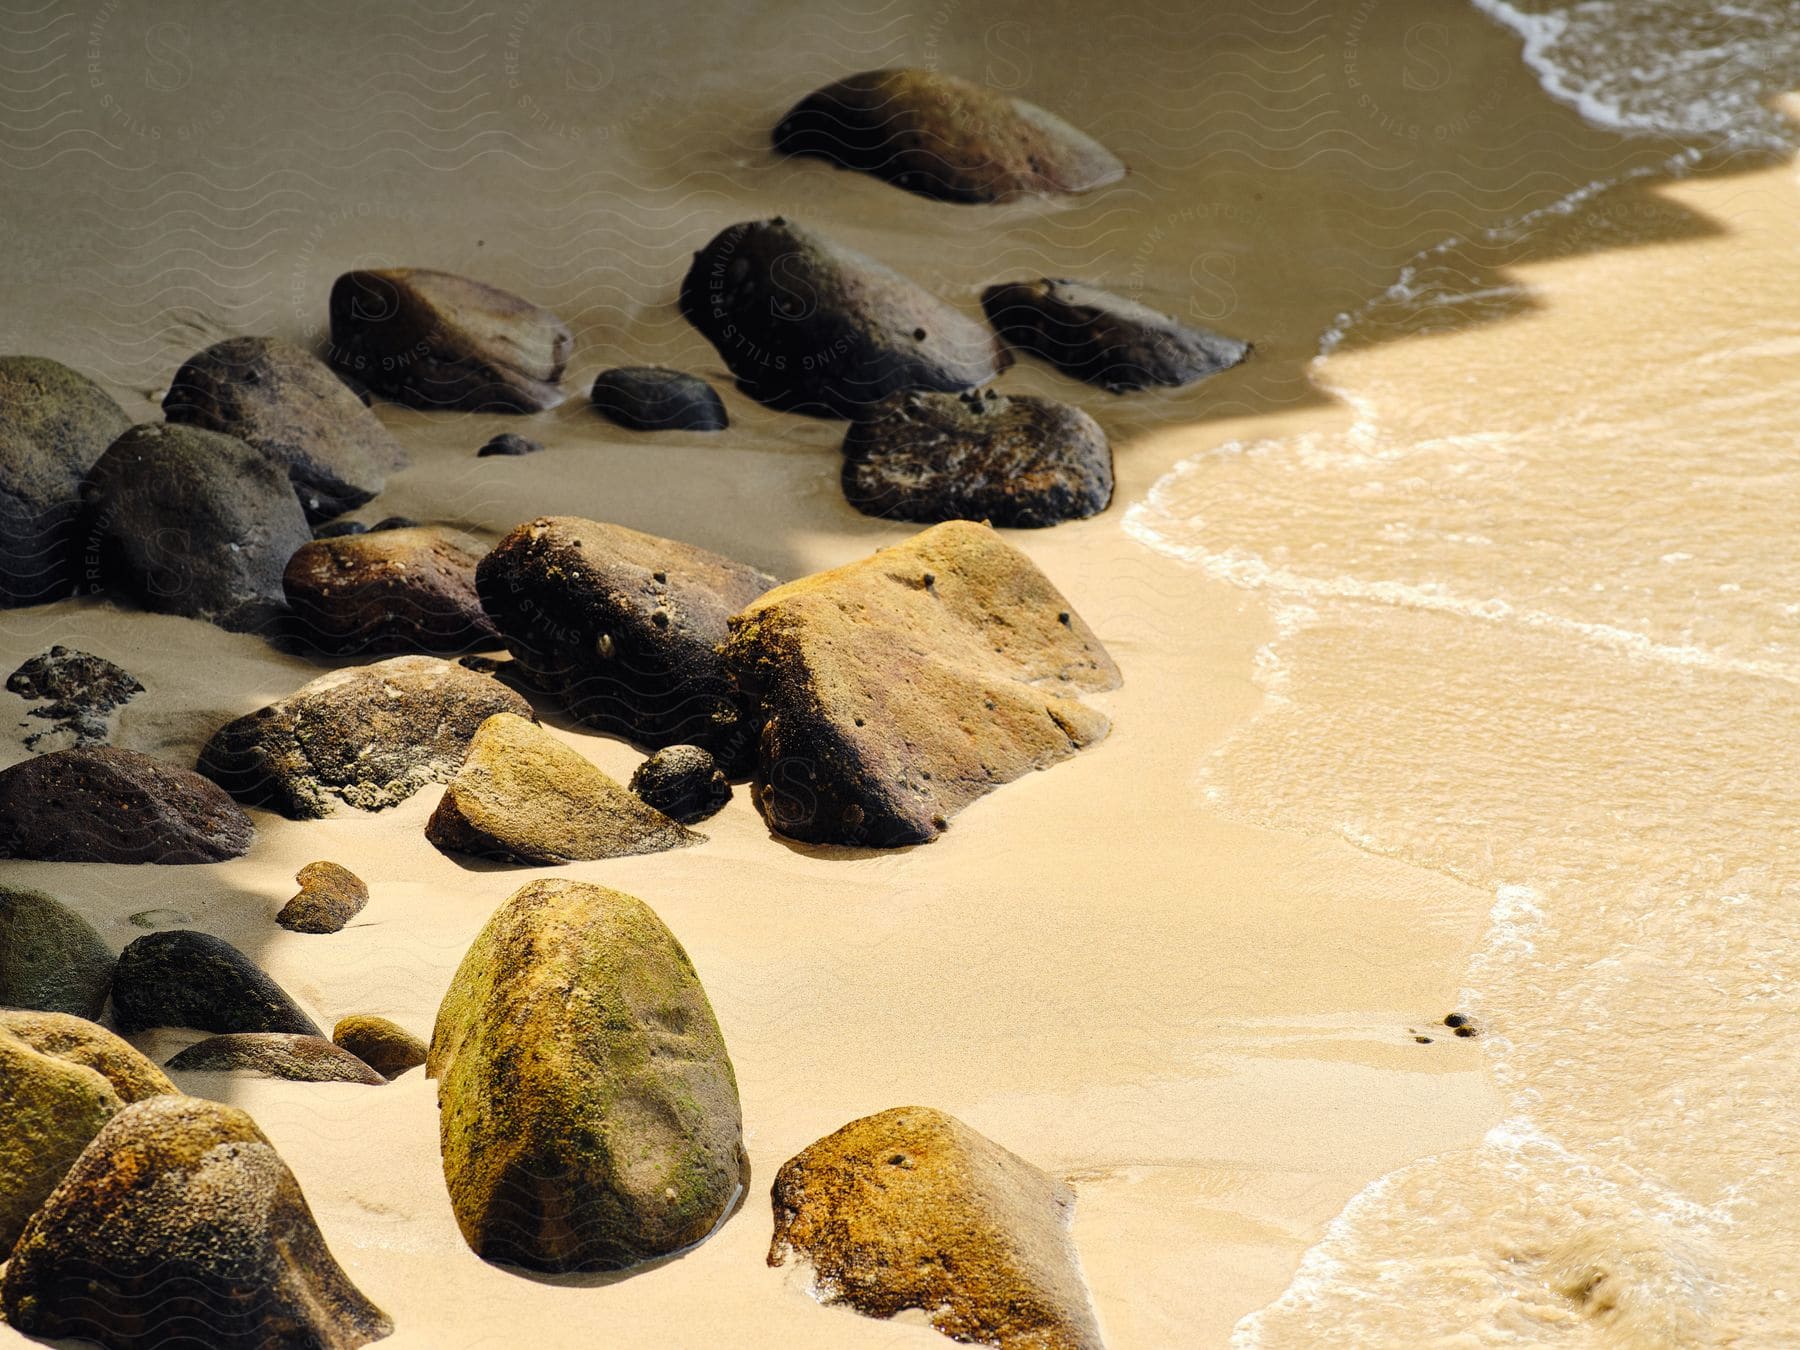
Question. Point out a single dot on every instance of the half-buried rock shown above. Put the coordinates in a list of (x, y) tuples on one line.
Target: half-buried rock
[(49, 1109), (276, 1054), (809, 326), (1104, 338), (894, 691), (911, 1210), (370, 736), (192, 522), (437, 340), (624, 628), (589, 1113), (945, 137), (386, 1047), (181, 1225), (650, 398), (330, 896), (1021, 462), (104, 804), (80, 693), (189, 979), (405, 590), (51, 959), (683, 782), (80, 1041), (54, 423), (287, 403), (523, 796)]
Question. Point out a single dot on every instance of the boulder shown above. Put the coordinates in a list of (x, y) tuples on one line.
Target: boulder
[(104, 804), (1020, 462), (370, 735), (399, 590), (1104, 338), (188, 979), (276, 1054), (80, 1041), (435, 340), (894, 691), (650, 398), (181, 1225), (684, 782), (330, 896), (944, 137), (192, 522), (911, 1210), (286, 403), (80, 693), (51, 959), (54, 423), (807, 325), (523, 796), (509, 443), (385, 1047), (623, 627), (588, 1110), (49, 1109)]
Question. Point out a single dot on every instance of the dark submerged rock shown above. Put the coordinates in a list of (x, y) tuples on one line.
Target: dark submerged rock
[(192, 522), (189, 979), (1104, 338), (944, 137), (330, 896), (286, 403), (807, 325), (51, 959), (405, 589), (104, 804), (509, 443), (370, 736), (385, 1047), (80, 693), (1020, 462), (276, 1054), (650, 398), (684, 782)]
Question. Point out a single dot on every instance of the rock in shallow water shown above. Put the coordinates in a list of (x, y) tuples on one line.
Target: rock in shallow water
[(371, 736), (436, 340), (650, 398), (276, 1054), (189, 979), (330, 896), (49, 1109), (180, 1224), (589, 1113), (683, 782), (623, 627), (384, 1046), (51, 959), (80, 1041), (807, 325), (1104, 338), (894, 691), (1020, 462), (399, 590), (192, 522), (913, 1210), (287, 404), (945, 137), (523, 796), (104, 804), (54, 424), (81, 692)]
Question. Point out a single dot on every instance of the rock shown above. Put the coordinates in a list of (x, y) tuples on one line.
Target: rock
[(189, 979), (588, 1110), (51, 959), (523, 796), (1104, 338), (181, 1225), (337, 529), (623, 627), (944, 137), (894, 691), (683, 782), (395, 523), (286, 403), (330, 896), (276, 1054), (192, 522), (398, 590), (80, 1041), (509, 443), (388, 1049), (1020, 462), (104, 804), (49, 1109), (435, 340), (54, 423), (807, 325), (913, 1210), (650, 398), (161, 918), (81, 692), (370, 735)]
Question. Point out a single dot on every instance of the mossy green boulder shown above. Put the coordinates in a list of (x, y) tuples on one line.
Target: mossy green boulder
[(589, 1112), (49, 1109), (80, 1041), (51, 958)]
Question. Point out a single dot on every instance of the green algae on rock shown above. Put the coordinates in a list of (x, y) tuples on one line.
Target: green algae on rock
[(180, 1224), (386, 1047), (589, 1112), (50, 1108), (91, 1045), (276, 1054), (51, 959), (911, 1209)]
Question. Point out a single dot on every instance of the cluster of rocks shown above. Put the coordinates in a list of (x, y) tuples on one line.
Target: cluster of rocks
[(80, 693)]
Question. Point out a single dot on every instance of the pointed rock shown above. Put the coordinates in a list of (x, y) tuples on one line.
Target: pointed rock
[(403, 590), (180, 1224), (104, 804), (330, 896), (276, 1054), (588, 1111), (80, 1041), (384, 1046), (189, 979), (49, 1109)]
